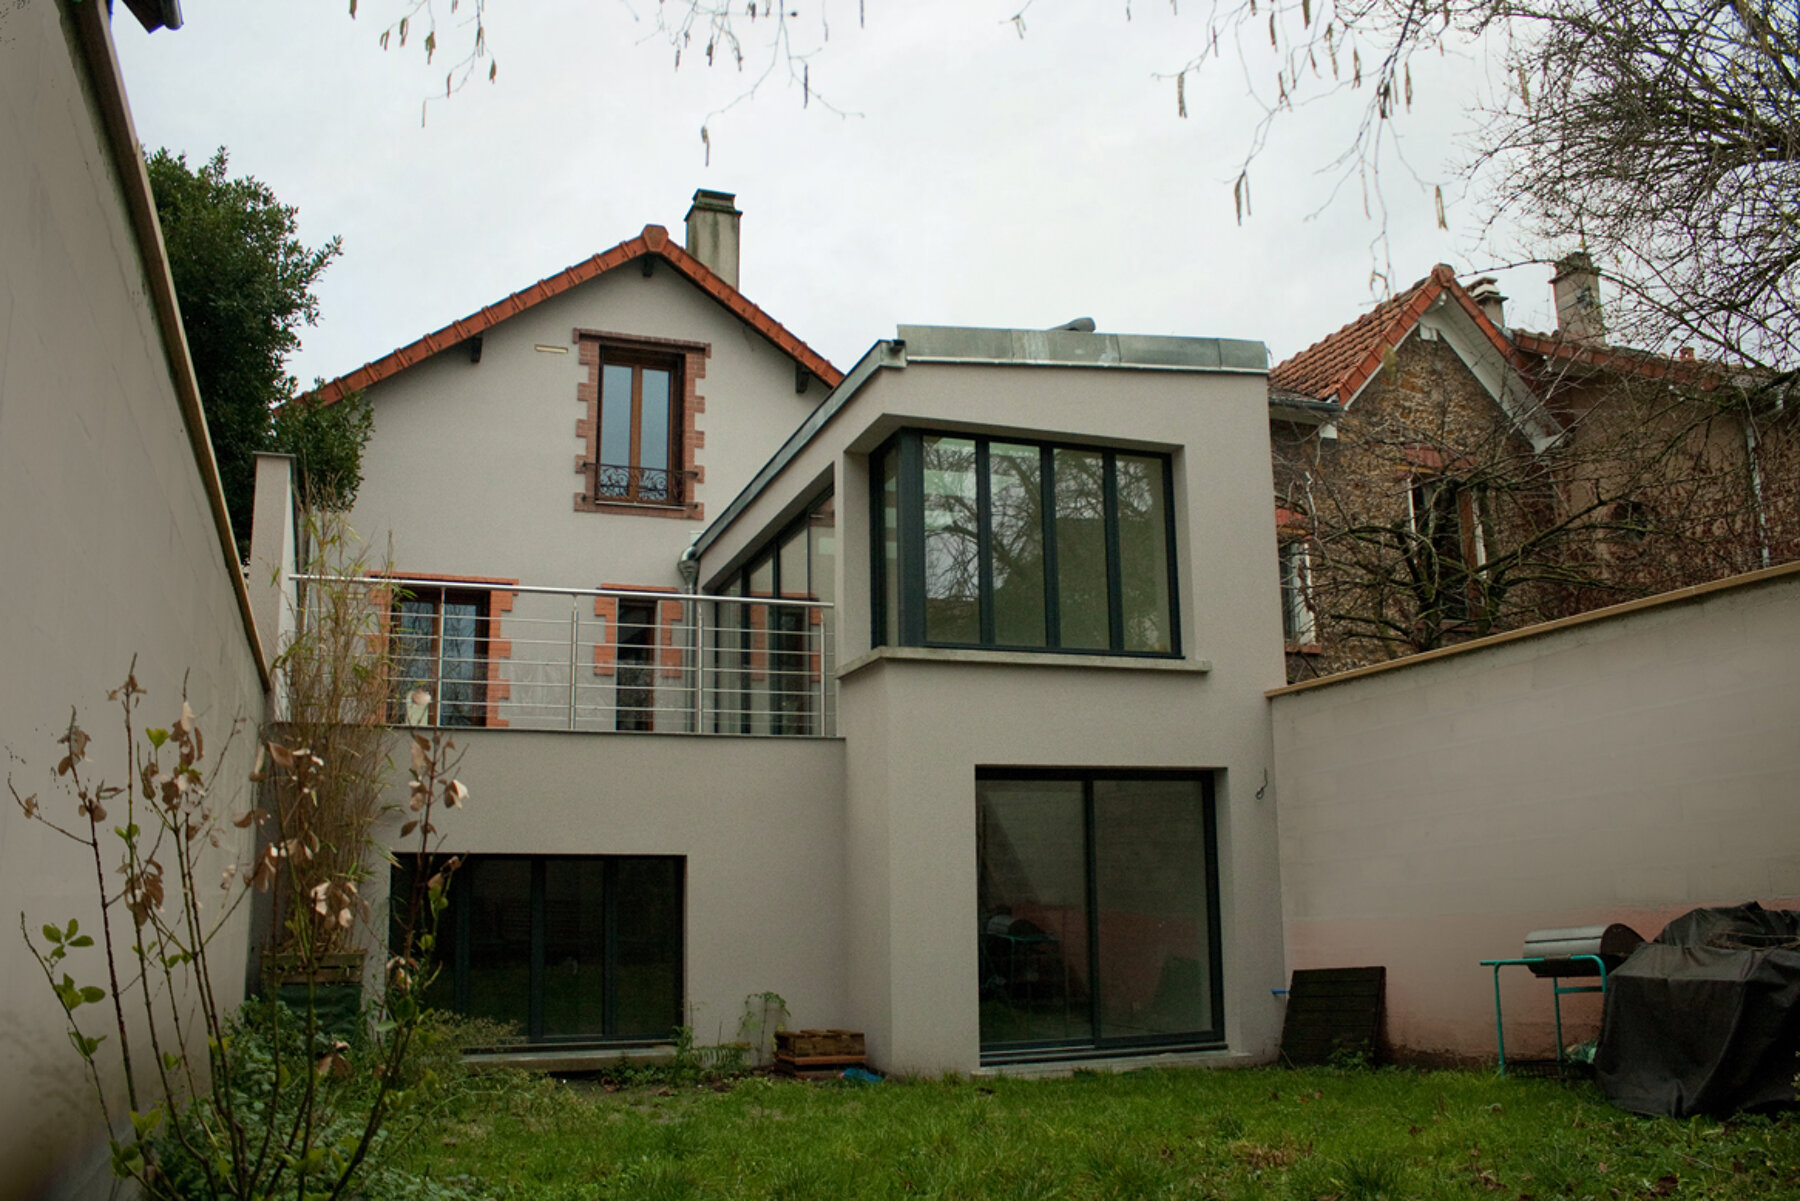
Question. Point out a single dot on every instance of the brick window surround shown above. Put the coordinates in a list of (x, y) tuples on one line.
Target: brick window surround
[(669, 617), (690, 361), (495, 649)]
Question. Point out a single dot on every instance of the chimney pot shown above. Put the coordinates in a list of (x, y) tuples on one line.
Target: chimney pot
[(1485, 292), (712, 233)]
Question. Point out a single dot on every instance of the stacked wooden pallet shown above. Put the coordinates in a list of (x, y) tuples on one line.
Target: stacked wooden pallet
[(818, 1054)]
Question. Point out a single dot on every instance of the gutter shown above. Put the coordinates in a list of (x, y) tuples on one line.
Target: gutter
[(93, 31)]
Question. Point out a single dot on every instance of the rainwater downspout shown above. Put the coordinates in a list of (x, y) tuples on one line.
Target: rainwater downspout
[(1756, 488), (689, 567)]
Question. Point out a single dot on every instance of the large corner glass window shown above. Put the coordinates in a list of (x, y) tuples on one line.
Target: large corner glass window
[(1020, 545), (565, 948), (1099, 911), (638, 461)]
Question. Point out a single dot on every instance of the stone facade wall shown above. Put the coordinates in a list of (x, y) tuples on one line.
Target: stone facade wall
[(1651, 490), (1424, 417)]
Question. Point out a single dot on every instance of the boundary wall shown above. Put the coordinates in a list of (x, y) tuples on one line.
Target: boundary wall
[(1626, 765)]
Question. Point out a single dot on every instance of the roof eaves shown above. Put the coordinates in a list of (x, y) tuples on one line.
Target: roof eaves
[(653, 240), (1405, 321)]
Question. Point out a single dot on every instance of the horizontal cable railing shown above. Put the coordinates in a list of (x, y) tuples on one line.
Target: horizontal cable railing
[(488, 654)]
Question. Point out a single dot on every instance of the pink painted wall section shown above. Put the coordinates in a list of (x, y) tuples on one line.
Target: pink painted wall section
[(1441, 1000), (1627, 768)]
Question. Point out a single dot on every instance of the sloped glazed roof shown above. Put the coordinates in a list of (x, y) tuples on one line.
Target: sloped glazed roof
[(1336, 367), (654, 240)]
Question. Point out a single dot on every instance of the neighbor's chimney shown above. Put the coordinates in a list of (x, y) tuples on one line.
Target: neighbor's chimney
[(1576, 286), (712, 233), (1486, 293)]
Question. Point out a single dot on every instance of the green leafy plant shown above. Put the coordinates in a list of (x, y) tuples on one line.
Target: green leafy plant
[(765, 1013), (216, 1116)]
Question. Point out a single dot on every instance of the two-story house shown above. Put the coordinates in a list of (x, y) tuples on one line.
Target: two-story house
[(1441, 475), (929, 696)]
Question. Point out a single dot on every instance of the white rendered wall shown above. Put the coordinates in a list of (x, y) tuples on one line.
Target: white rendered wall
[(759, 822), (1622, 768), (916, 729), (472, 466), (107, 551)]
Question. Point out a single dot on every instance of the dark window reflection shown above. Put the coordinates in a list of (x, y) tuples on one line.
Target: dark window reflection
[(952, 563), (440, 657), (563, 948), (1096, 911)]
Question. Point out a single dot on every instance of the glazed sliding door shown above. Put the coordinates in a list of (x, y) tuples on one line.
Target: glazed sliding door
[(1098, 897)]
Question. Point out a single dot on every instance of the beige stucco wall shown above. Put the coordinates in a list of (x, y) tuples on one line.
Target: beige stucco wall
[(758, 820), (108, 551), (1621, 768), (472, 466), (916, 728)]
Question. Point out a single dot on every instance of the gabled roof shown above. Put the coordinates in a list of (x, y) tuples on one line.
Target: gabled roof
[(1336, 367), (653, 241)]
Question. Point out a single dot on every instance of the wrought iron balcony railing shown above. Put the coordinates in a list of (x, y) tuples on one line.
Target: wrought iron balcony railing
[(596, 659), (657, 486)]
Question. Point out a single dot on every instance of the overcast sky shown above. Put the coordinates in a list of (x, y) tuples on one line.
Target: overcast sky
[(975, 177)]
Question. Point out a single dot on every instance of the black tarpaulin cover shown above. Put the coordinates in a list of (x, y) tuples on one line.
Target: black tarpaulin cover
[(1706, 1018)]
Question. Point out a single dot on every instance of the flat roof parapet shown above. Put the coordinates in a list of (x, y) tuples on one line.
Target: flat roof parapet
[(1072, 348)]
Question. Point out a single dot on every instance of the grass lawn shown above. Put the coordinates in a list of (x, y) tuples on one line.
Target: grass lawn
[(1267, 1133)]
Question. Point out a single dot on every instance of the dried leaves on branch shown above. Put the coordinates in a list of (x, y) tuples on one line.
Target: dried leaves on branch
[(215, 1104), (1666, 134), (758, 38), (1662, 135)]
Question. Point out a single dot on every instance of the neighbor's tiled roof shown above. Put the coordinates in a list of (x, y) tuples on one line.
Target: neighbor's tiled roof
[(654, 240), (1692, 373), (1337, 366)]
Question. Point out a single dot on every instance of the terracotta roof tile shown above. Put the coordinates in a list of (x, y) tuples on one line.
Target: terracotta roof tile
[(1702, 374), (1337, 366), (654, 240)]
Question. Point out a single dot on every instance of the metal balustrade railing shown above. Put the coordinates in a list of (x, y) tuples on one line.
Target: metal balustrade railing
[(485, 654)]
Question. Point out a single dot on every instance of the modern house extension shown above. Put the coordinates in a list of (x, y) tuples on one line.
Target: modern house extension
[(929, 697)]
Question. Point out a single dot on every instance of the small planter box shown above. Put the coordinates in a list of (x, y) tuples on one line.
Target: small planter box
[(818, 1054), (809, 1043), (333, 988)]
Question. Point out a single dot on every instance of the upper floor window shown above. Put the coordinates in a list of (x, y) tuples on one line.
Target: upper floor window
[(639, 429), (771, 655), (1298, 622), (1449, 545), (1023, 545)]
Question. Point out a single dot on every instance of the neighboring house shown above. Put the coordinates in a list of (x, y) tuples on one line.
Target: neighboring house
[(115, 552), (1440, 476), (930, 697)]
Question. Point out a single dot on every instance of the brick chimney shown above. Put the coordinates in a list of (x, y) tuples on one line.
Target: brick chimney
[(1576, 286), (712, 233), (1486, 293)]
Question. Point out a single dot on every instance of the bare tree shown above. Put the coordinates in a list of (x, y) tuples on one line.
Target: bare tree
[(1427, 522), (1666, 133), (759, 39)]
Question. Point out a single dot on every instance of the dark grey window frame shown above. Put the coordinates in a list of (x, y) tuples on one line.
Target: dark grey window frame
[(907, 448), (454, 937), (1096, 1045), (737, 587)]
